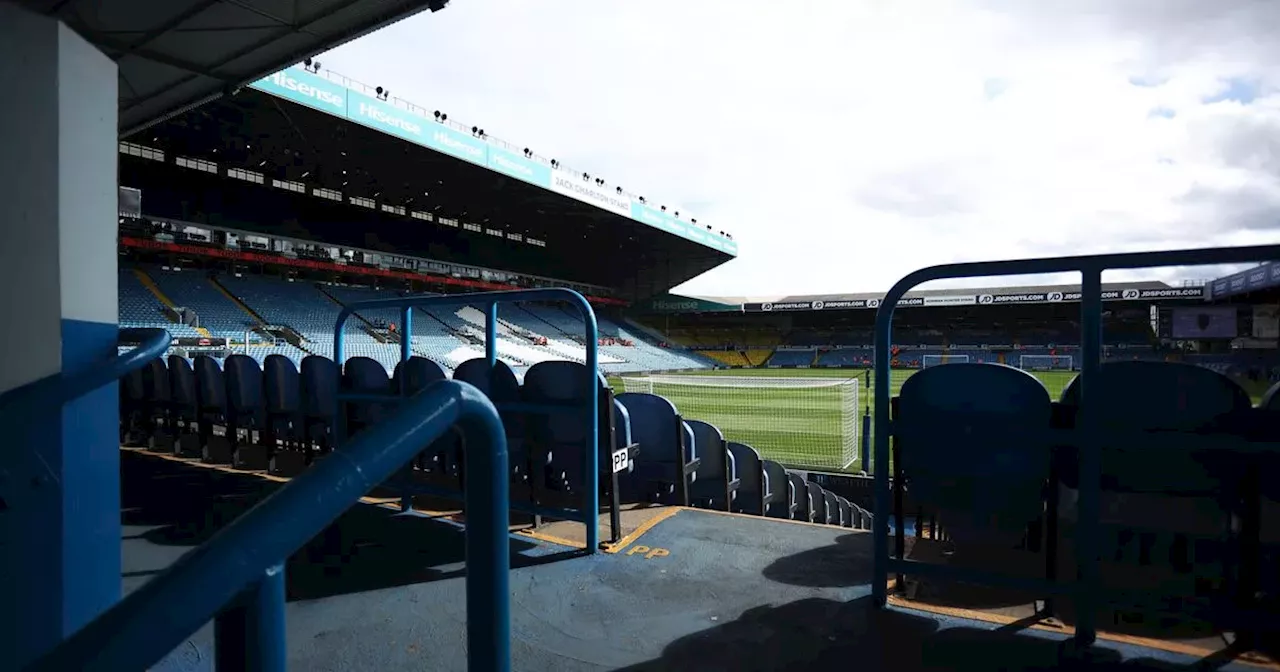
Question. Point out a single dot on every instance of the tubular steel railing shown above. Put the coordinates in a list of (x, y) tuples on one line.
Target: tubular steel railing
[(1085, 590), (237, 578), (590, 407)]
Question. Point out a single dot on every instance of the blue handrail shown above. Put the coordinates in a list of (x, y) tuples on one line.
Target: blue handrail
[(242, 567), (61, 388), (591, 407), (1091, 268)]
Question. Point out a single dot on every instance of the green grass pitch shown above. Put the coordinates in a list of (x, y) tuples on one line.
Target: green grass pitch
[(797, 427)]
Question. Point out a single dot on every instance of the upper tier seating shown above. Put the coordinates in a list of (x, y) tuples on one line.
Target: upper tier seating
[(449, 335), (140, 308)]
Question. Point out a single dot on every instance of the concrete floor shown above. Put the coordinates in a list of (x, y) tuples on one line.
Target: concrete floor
[(686, 590)]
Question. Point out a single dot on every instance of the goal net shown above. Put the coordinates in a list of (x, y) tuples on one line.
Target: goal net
[(803, 422), (934, 360), (1046, 362)]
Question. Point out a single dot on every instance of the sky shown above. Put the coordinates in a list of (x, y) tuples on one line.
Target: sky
[(846, 143)]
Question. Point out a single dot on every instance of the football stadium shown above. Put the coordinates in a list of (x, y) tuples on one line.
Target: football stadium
[(344, 383)]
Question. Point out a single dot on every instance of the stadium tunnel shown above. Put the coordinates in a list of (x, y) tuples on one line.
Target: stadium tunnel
[(79, 74)]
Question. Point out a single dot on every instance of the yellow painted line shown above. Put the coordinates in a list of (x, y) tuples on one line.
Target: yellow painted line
[(551, 539), (752, 516), (1251, 658), (641, 529)]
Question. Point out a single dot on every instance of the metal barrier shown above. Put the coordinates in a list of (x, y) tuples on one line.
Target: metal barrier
[(1085, 591), (588, 516), (61, 388), (238, 576)]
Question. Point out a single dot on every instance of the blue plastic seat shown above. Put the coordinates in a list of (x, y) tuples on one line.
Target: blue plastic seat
[(281, 400), (846, 512), (753, 488), (817, 502), (499, 383), (319, 401), (157, 402), (971, 441), (781, 503), (182, 389), (415, 374), (558, 439), (798, 493), (442, 460), (365, 376), (1160, 504), (832, 506), (211, 397), (243, 381), (716, 477), (665, 466)]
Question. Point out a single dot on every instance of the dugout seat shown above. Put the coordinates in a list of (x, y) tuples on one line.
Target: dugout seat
[(861, 517), (665, 464), (716, 478), (1162, 505), (442, 461), (558, 439), (211, 397), (783, 503), (158, 406), (245, 412), (319, 377), (282, 415), (798, 493), (500, 385), (817, 502), (833, 507), (182, 390), (971, 444), (365, 376), (133, 411), (846, 512), (753, 485), (1265, 513)]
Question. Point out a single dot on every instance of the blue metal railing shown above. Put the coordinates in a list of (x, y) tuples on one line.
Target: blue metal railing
[(588, 516), (1085, 590), (61, 388), (238, 576)]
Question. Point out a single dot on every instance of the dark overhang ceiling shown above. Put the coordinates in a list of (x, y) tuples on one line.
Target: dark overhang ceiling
[(175, 54)]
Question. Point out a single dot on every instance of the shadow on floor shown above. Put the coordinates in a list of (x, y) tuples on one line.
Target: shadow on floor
[(816, 633), (367, 548)]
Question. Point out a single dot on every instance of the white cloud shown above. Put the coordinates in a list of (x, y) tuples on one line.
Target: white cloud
[(845, 144)]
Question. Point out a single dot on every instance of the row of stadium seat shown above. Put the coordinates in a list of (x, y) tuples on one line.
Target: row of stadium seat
[(281, 419), (1188, 501)]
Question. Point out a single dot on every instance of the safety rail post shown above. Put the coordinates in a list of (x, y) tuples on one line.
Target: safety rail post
[(1084, 591), (250, 634), (490, 300), (406, 333), (153, 620)]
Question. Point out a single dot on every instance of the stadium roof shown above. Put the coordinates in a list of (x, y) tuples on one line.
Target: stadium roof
[(969, 291), (439, 193), (1017, 295), (175, 54)]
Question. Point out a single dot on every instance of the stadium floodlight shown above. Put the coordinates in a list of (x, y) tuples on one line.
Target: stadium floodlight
[(934, 360), (801, 422), (1046, 363)]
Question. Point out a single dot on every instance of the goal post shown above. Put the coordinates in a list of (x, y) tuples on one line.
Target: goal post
[(934, 360), (800, 422), (1046, 363)]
